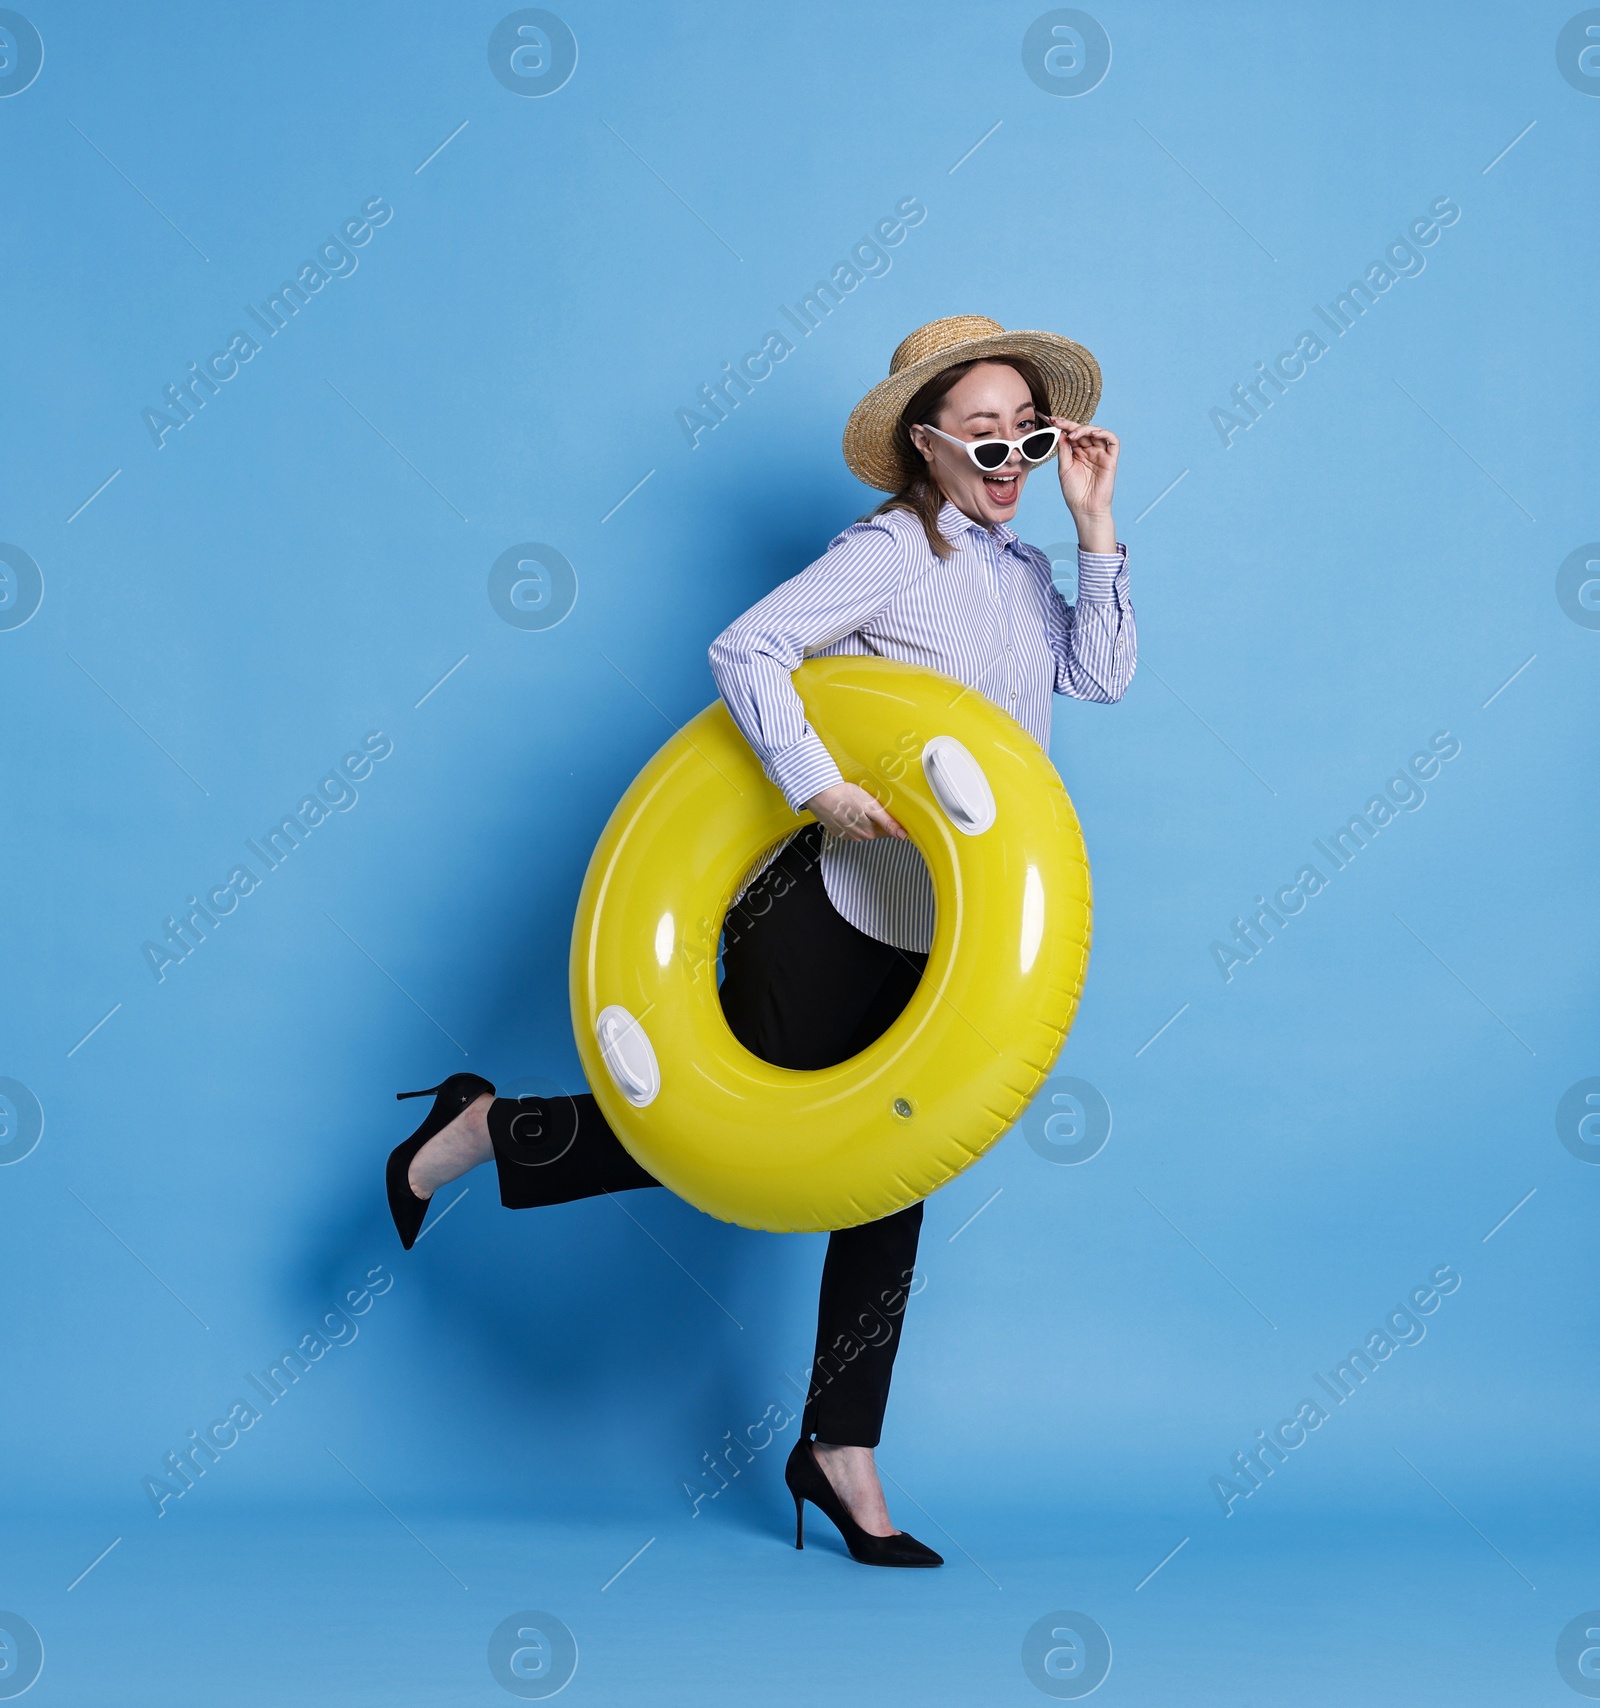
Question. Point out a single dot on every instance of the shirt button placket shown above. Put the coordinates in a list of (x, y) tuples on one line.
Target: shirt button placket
[(1005, 620)]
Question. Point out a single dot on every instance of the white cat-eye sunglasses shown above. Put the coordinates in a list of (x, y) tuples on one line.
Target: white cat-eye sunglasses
[(992, 455)]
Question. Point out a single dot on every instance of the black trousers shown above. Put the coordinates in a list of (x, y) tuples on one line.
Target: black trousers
[(803, 988)]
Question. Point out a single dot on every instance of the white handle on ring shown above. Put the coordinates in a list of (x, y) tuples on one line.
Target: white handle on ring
[(959, 785), (627, 1052)]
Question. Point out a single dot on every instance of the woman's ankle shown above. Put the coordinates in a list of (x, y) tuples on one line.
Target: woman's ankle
[(452, 1151), (852, 1473)]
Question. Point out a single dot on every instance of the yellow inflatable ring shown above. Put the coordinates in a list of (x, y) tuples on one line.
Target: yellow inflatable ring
[(790, 1151)]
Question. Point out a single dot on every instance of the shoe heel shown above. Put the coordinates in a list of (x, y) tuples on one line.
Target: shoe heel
[(427, 1091), (799, 1521)]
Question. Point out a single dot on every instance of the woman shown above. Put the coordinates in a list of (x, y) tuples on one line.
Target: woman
[(825, 944)]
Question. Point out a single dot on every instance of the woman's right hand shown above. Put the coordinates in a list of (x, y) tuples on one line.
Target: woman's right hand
[(850, 812)]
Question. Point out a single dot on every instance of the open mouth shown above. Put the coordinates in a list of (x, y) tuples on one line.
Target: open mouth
[(1002, 488)]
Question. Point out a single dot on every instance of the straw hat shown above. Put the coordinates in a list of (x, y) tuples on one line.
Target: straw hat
[(1071, 376)]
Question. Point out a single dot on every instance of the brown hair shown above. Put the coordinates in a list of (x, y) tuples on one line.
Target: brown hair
[(920, 493)]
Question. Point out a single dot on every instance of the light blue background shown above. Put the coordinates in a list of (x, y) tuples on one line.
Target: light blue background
[(1365, 566)]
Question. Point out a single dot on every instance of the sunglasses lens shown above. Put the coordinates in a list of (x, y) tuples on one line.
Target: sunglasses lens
[(1037, 446), (991, 453)]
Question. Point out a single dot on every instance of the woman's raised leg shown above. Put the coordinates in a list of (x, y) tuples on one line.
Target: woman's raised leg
[(551, 1150), (548, 1150)]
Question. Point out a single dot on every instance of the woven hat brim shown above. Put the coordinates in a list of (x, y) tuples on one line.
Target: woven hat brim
[(1071, 376)]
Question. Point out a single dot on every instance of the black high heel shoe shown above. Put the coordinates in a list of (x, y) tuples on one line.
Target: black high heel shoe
[(458, 1092), (809, 1482)]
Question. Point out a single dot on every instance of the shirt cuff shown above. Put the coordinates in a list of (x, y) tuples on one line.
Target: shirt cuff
[(803, 770), (1097, 572)]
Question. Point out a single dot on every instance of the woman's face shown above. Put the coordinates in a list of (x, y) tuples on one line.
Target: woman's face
[(990, 401)]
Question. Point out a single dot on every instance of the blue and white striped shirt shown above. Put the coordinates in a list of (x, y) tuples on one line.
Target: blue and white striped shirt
[(990, 616)]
